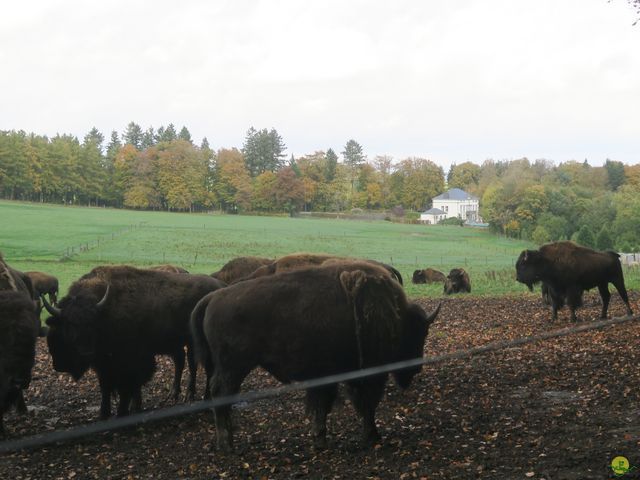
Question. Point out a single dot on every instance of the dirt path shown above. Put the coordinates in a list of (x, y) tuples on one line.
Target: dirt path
[(562, 409)]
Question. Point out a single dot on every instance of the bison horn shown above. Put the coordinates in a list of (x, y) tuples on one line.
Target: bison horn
[(526, 254), (54, 311), (102, 302)]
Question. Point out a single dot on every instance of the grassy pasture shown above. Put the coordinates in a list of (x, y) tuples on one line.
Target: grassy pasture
[(69, 241)]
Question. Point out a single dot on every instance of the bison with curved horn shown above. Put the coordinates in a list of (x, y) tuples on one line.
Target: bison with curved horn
[(306, 324), (116, 319)]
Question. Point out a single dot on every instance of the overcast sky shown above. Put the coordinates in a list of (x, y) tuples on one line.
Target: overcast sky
[(448, 80)]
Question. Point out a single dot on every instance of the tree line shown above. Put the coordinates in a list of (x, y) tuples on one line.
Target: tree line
[(164, 170)]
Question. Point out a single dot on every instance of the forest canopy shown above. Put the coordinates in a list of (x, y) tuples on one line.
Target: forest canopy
[(164, 170)]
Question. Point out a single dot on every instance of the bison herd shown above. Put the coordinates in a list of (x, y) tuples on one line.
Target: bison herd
[(299, 317)]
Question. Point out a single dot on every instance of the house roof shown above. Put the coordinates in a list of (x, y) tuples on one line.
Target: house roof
[(433, 211), (455, 194)]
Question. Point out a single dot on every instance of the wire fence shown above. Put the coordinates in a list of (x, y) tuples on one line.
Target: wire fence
[(143, 418)]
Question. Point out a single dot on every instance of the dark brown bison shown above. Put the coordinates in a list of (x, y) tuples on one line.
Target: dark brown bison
[(18, 333), (568, 270), (457, 282), (297, 261), (310, 323), (115, 319), (19, 326), (44, 283), (428, 275), (168, 268), (240, 267)]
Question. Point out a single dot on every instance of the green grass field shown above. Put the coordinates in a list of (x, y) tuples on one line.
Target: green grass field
[(70, 241)]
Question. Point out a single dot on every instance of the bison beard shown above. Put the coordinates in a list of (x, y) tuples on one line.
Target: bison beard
[(306, 324), (566, 270), (116, 319)]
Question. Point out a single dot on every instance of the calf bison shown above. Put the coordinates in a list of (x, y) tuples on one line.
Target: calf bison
[(427, 275), (310, 323), (305, 260), (568, 270), (115, 319), (240, 267), (457, 282), (44, 283)]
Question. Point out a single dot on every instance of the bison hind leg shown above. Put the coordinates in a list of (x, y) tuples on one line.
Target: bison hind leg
[(226, 381), (365, 396), (319, 402)]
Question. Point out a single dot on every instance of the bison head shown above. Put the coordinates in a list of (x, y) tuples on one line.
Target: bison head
[(530, 268), (416, 327), (419, 277), (73, 332), (457, 281)]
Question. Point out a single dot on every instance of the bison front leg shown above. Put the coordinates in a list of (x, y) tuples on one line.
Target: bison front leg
[(606, 297), (193, 369), (105, 398), (21, 406), (319, 403), (178, 360), (365, 396)]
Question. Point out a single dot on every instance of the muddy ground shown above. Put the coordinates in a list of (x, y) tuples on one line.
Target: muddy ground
[(558, 409)]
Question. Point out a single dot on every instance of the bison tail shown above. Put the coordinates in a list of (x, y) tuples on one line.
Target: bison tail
[(196, 325)]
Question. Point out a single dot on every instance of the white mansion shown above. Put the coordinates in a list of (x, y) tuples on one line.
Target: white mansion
[(453, 203)]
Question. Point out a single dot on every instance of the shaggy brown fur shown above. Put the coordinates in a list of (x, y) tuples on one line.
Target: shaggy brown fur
[(297, 261), (116, 318), (168, 268), (18, 333), (309, 323), (239, 268), (457, 282), (568, 270), (428, 275)]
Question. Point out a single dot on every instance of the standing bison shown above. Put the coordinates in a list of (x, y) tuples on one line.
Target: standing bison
[(568, 270), (428, 275), (116, 319), (310, 323), (457, 282), (44, 283), (18, 332)]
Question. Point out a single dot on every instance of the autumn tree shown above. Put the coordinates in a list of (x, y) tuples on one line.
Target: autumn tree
[(420, 181), (233, 187), (180, 174)]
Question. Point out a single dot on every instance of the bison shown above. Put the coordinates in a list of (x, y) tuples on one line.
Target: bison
[(17, 349), (44, 283), (115, 319), (19, 326), (427, 275), (240, 267), (310, 323), (457, 281), (568, 270), (305, 260)]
